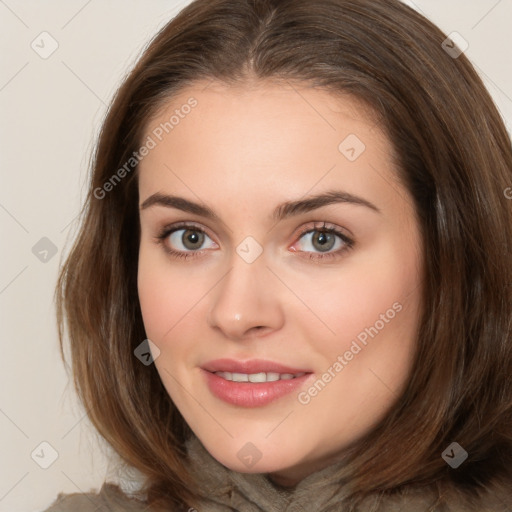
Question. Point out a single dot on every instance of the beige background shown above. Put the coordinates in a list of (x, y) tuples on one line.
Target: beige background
[(51, 109)]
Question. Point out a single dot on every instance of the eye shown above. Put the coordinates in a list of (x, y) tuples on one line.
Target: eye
[(184, 241), (327, 239), (187, 241)]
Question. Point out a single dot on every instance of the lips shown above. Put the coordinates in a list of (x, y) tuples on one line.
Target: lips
[(252, 383)]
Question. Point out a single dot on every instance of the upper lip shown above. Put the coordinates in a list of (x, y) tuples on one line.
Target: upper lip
[(250, 366)]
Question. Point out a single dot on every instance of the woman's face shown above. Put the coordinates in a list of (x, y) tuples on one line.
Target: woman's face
[(297, 253)]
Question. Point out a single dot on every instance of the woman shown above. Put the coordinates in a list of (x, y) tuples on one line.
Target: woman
[(291, 287)]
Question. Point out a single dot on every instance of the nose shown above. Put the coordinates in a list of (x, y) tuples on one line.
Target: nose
[(246, 302)]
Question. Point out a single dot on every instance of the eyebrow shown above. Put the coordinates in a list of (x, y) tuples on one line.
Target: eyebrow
[(281, 212)]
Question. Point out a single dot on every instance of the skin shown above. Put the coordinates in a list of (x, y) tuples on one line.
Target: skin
[(242, 151)]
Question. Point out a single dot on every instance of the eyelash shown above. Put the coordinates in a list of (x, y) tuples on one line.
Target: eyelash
[(324, 228)]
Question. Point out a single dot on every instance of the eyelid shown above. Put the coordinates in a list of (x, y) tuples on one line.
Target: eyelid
[(322, 226), (176, 226)]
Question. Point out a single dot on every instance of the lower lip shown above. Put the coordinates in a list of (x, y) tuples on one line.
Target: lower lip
[(252, 394)]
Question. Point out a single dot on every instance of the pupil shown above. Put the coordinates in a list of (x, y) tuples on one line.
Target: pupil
[(192, 238), (326, 240)]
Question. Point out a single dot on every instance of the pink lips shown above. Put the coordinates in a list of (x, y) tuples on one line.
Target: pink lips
[(251, 394)]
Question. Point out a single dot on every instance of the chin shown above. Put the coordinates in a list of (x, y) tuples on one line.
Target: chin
[(250, 459)]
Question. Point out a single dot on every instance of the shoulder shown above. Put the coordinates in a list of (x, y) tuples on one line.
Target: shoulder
[(109, 499), (497, 497)]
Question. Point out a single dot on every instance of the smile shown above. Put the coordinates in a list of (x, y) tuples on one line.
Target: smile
[(252, 383)]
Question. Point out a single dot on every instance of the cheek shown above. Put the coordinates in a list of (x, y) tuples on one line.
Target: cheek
[(152, 297), (162, 294), (171, 298), (374, 317), (372, 308), (354, 299)]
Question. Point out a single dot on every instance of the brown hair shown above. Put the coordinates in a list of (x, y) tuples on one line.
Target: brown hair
[(453, 155)]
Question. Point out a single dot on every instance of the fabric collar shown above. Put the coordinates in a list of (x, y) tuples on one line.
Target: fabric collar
[(224, 489)]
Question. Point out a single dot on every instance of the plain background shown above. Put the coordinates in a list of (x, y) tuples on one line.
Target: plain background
[(51, 109)]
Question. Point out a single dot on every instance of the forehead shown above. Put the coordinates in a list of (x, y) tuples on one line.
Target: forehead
[(254, 106), (281, 138)]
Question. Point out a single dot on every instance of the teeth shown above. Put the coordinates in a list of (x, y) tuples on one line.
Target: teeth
[(258, 377)]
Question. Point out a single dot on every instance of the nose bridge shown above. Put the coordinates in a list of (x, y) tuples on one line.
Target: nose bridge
[(246, 298)]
